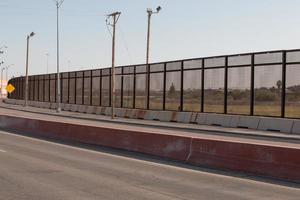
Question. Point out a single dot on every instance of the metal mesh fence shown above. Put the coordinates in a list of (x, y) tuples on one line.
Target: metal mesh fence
[(264, 84)]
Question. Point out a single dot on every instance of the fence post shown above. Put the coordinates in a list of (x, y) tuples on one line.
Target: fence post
[(110, 77), (68, 101), (134, 88), (75, 93), (252, 85), (100, 88), (181, 86), (202, 85), (148, 86), (82, 91), (164, 84), (283, 94), (91, 88), (61, 87), (226, 85), (38, 97), (122, 86), (44, 93)]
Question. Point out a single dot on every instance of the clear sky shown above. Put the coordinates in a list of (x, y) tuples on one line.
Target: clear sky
[(183, 29)]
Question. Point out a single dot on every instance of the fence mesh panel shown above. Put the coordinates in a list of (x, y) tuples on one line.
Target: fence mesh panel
[(264, 84)]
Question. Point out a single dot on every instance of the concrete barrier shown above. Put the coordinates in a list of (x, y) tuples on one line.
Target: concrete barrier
[(234, 121), (166, 116), (129, 113), (296, 127), (120, 112), (82, 108), (46, 105), (40, 104), (183, 117), (107, 111), (30, 103), (91, 110), (53, 106), (166, 146), (276, 124), (74, 108), (201, 118), (273, 161), (67, 107), (250, 122), (139, 114), (281, 162), (194, 118), (217, 120), (98, 110), (151, 115)]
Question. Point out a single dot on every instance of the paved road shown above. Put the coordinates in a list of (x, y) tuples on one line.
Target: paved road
[(36, 169)]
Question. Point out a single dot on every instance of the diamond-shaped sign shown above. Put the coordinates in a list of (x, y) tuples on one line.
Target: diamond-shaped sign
[(10, 88)]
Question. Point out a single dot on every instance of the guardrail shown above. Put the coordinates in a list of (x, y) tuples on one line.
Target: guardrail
[(261, 84)]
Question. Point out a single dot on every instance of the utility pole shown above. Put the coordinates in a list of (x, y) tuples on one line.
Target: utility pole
[(26, 78), (58, 5), (115, 17), (150, 13)]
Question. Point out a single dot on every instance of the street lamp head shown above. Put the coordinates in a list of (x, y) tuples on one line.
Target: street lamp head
[(149, 10), (32, 34), (158, 9)]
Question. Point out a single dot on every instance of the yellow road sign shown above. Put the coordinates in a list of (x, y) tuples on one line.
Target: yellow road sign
[(10, 88)]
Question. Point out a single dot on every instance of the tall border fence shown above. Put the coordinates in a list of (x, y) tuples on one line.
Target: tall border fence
[(262, 83)]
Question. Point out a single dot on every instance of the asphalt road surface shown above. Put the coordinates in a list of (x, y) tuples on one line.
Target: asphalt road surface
[(36, 169)]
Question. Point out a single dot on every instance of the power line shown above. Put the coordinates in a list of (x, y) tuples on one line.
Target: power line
[(125, 44)]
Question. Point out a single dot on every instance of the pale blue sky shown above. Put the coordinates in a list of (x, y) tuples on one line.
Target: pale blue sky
[(183, 29)]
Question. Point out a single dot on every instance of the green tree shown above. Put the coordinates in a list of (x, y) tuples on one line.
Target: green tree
[(279, 84), (172, 90)]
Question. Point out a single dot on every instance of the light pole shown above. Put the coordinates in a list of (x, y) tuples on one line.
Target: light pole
[(150, 13), (115, 17), (3, 68), (58, 4), (8, 66), (2, 47), (47, 62), (26, 78)]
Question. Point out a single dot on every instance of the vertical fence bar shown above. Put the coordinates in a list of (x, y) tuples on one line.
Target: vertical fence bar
[(100, 95), (283, 94), (91, 88), (122, 86), (148, 87), (49, 86), (68, 101), (134, 84), (38, 97), (181, 86), (33, 81), (226, 85), (44, 93), (110, 97), (164, 89), (202, 85), (82, 85), (55, 88), (75, 85), (252, 85), (61, 88)]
